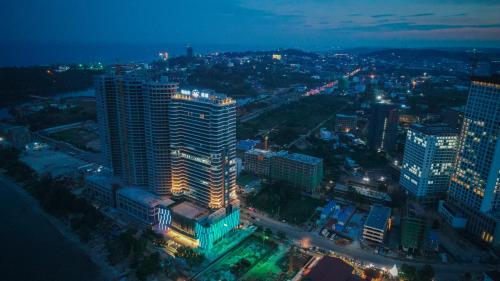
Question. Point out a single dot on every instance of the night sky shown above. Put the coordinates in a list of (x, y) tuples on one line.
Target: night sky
[(317, 24)]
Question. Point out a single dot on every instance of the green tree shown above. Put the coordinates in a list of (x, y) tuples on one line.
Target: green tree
[(281, 235), (426, 273), (149, 265)]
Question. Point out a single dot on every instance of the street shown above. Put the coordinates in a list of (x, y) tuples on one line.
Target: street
[(444, 272)]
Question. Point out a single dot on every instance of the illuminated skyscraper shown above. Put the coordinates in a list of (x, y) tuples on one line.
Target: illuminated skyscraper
[(181, 146), (157, 101), (474, 192), (203, 147), (428, 161), (383, 126), (179, 143)]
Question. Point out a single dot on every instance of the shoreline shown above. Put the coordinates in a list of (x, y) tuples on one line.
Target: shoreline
[(106, 271)]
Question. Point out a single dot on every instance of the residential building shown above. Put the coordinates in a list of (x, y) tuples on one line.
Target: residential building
[(303, 171), (258, 162), (383, 126), (345, 123), (414, 228), (377, 223), (428, 161), (120, 114), (157, 104), (474, 187)]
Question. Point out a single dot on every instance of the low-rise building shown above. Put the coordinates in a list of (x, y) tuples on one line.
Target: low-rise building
[(201, 227), (141, 205), (345, 123), (300, 170), (377, 224), (102, 188), (258, 162)]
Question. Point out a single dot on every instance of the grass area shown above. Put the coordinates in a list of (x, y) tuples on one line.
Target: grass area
[(292, 120), (282, 265), (237, 263), (369, 159), (285, 202), (79, 137), (84, 110)]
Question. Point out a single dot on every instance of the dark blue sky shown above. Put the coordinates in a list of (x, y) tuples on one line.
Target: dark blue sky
[(316, 24)]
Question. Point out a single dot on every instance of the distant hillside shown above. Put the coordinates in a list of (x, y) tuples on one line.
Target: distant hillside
[(18, 83), (419, 54)]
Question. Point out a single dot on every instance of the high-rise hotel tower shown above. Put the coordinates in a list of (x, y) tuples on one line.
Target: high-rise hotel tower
[(170, 142), (474, 193)]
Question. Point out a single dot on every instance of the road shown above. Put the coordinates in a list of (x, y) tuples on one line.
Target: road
[(443, 271), (86, 156)]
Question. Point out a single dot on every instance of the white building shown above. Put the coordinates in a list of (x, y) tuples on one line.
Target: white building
[(428, 161)]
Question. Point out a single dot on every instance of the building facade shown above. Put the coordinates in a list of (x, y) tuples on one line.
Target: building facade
[(120, 114), (383, 126), (345, 123), (475, 184), (258, 162), (303, 171), (203, 147), (428, 162), (377, 224)]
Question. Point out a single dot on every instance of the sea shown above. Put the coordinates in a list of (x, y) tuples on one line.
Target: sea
[(15, 54), (32, 249)]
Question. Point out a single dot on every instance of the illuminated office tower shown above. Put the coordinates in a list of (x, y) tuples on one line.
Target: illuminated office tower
[(120, 113), (428, 161), (203, 147), (474, 193), (383, 126), (157, 99)]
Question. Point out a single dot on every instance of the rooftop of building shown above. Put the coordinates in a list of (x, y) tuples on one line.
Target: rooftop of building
[(438, 129), (246, 144), (494, 79), (190, 210), (265, 153), (341, 115), (104, 180), (328, 267), (307, 159), (204, 96), (144, 197), (378, 217)]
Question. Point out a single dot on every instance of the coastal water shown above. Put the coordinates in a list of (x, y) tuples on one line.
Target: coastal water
[(32, 249)]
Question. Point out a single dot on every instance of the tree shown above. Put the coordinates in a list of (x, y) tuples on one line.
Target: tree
[(192, 257), (408, 272), (149, 265), (426, 273), (281, 235)]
